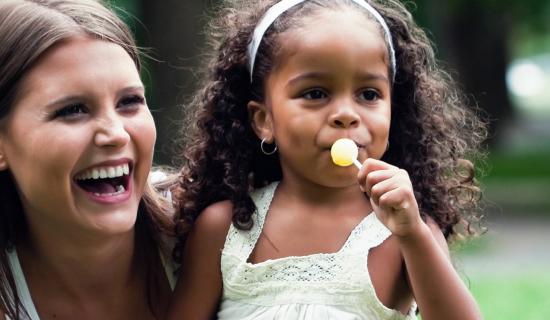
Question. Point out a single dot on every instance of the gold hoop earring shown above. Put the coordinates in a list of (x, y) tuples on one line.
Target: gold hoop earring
[(267, 153)]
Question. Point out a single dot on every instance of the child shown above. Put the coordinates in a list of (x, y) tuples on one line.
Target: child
[(277, 231)]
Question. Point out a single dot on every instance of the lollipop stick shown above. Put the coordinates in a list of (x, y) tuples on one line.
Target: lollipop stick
[(357, 163)]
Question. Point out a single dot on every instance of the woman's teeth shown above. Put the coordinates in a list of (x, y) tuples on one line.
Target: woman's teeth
[(104, 172)]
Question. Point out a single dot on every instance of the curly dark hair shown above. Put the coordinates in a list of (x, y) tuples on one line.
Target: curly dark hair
[(432, 134)]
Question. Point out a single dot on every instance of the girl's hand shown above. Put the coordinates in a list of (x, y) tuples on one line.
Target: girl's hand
[(391, 196)]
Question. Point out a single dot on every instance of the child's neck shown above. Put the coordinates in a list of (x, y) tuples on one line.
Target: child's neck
[(316, 197)]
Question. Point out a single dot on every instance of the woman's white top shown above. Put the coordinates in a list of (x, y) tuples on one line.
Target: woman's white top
[(25, 295), (313, 287), (21, 283)]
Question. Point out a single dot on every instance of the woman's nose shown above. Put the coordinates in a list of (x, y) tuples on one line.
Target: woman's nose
[(111, 132), (344, 116)]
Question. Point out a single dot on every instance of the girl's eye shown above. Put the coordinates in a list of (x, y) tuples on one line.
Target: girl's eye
[(314, 94), (71, 111), (369, 95), (131, 102)]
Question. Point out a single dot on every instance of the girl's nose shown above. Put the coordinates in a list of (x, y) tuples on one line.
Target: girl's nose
[(111, 132), (344, 116)]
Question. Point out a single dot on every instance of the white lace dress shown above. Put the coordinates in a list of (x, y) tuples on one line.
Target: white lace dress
[(318, 286)]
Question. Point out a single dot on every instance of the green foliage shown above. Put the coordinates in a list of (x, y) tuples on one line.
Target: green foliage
[(128, 5), (532, 13), (513, 297), (525, 165)]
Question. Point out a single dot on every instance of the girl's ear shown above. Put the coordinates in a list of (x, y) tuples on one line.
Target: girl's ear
[(261, 120)]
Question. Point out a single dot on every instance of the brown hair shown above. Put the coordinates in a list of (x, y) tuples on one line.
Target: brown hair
[(432, 130), (28, 28)]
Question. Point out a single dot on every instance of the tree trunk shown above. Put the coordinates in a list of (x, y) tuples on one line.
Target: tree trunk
[(473, 41), (175, 30)]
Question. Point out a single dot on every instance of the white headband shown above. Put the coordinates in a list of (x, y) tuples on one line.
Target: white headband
[(281, 7)]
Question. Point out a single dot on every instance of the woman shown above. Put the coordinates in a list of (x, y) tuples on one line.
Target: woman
[(81, 232)]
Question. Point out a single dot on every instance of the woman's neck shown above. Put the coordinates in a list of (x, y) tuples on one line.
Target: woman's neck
[(78, 266)]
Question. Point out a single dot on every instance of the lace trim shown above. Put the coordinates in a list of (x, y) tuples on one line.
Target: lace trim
[(339, 278)]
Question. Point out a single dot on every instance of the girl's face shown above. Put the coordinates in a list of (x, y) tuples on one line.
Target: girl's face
[(330, 81), (79, 140)]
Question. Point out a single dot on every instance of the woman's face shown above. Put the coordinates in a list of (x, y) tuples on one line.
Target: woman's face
[(79, 139)]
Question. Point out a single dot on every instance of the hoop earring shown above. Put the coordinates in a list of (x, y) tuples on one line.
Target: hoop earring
[(262, 147)]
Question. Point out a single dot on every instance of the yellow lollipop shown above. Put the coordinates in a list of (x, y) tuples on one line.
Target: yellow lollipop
[(344, 153)]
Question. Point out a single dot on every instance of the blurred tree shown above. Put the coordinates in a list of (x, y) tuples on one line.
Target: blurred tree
[(171, 31), (474, 38), (176, 36)]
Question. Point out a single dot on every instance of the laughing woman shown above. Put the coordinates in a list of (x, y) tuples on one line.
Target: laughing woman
[(81, 230)]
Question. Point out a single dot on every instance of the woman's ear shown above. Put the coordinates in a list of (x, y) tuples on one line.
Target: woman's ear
[(261, 120)]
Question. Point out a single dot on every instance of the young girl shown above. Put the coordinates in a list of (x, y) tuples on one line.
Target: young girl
[(277, 231)]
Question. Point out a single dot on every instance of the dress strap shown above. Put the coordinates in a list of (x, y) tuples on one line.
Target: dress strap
[(242, 242), (370, 233), (21, 284)]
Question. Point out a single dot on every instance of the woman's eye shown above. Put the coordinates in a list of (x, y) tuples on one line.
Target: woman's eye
[(314, 94), (71, 111), (131, 102), (369, 95)]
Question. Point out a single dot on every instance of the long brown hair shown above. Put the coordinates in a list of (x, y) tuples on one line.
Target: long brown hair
[(28, 28), (432, 134)]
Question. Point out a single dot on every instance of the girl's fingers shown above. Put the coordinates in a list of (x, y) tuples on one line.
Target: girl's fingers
[(376, 177), (383, 187), (394, 179), (372, 165), (397, 199)]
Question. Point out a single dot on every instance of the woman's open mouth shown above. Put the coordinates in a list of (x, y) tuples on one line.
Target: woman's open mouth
[(105, 181)]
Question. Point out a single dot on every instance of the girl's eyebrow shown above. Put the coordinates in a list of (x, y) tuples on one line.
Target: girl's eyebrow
[(373, 76), (308, 76), (363, 76)]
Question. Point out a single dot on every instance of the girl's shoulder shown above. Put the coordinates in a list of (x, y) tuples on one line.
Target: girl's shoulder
[(213, 223)]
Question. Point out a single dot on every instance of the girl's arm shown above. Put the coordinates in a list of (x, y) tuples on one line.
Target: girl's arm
[(437, 288), (199, 286)]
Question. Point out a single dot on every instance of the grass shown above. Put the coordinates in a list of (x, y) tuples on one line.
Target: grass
[(513, 297)]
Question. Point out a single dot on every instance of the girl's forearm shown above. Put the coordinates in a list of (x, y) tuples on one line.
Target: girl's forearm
[(438, 290)]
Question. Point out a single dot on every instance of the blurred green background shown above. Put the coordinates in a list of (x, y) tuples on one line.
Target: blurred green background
[(499, 51)]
